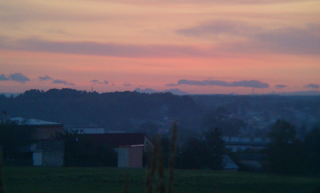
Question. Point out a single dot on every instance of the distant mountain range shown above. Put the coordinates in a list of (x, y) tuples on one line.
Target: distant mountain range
[(10, 94), (179, 92), (174, 91), (300, 93)]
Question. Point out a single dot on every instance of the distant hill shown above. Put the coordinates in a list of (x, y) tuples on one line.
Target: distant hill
[(114, 110)]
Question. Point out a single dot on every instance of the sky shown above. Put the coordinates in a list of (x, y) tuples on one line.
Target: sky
[(197, 46)]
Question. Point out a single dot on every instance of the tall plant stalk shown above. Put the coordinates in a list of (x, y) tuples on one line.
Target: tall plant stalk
[(151, 167), (1, 167), (156, 164), (126, 185), (161, 188), (172, 156)]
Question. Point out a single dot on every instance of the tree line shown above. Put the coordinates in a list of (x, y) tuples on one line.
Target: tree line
[(111, 110)]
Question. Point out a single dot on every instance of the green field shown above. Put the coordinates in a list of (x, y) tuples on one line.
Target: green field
[(108, 180)]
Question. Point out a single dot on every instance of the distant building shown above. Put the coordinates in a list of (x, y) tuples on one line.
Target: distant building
[(250, 156), (245, 143), (129, 146), (230, 165)]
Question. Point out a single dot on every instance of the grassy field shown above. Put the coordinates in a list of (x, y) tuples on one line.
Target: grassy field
[(109, 180)]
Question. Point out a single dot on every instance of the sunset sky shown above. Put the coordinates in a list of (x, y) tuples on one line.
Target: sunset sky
[(197, 46)]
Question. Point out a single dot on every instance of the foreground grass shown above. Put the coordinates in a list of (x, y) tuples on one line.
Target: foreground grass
[(103, 180)]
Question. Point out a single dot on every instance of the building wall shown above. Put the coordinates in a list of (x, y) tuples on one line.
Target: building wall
[(37, 158), (131, 157), (46, 132), (92, 131), (135, 157), (52, 153), (123, 157)]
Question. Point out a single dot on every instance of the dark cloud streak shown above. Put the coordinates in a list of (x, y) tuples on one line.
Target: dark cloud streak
[(286, 40), (57, 81), (295, 41), (104, 82), (313, 86), (244, 83), (3, 78), (60, 82), (280, 86), (98, 82), (103, 49), (45, 78), (18, 77)]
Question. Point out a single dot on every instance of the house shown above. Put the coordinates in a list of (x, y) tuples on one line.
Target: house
[(45, 151), (129, 146), (44, 129)]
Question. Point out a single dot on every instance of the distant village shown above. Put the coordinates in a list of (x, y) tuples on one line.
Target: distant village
[(130, 147)]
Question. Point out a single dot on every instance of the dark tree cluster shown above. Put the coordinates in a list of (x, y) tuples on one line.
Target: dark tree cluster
[(288, 154), (14, 137), (203, 152)]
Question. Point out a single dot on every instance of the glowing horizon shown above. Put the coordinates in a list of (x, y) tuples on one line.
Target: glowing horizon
[(216, 46)]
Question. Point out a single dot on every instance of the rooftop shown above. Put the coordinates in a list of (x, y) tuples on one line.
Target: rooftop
[(118, 139), (23, 121)]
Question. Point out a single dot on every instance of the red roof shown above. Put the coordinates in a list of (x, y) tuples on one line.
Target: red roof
[(117, 139)]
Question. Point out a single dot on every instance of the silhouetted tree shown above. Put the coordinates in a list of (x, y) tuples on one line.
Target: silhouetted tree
[(193, 155), (204, 152), (13, 137), (216, 148), (285, 153), (312, 148)]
